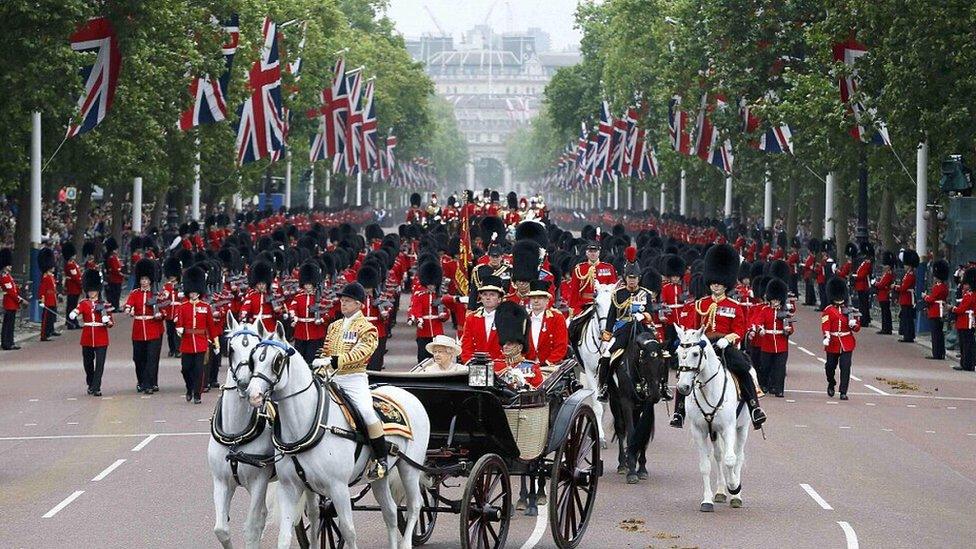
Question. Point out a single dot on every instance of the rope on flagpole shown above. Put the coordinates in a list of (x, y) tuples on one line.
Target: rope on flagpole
[(809, 169), (55, 153), (904, 169)]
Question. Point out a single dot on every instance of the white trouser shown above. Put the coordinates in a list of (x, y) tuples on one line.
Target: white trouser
[(356, 387)]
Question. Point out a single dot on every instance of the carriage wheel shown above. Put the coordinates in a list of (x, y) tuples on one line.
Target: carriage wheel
[(576, 469), (330, 536), (427, 519), (486, 505)]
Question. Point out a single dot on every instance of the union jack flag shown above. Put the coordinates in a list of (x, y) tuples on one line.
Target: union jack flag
[(209, 97), (603, 141), (101, 78), (260, 125), (332, 116), (368, 156), (629, 142), (776, 139), (848, 53), (385, 158), (294, 68), (649, 163), (621, 131), (707, 146), (678, 126), (354, 120)]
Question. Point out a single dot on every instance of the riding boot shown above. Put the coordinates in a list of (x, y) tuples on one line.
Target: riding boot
[(665, 390), (603, 379), (377, 469), (678, 419), (756, 413)]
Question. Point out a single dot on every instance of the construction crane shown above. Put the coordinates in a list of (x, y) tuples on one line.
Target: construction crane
[(434, 19)]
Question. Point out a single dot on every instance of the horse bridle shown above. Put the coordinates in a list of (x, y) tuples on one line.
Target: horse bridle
[(281, 364), (234, 368), (709, 416)]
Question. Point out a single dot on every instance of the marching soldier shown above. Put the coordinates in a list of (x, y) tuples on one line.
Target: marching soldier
[(935, 302), (415, 215), (113, 273), (809, 272), (349, 344), (585, 275), (198, 330), (72, 282), (965, 313), (513, 367), (906, 297), (307, 314), (369, 278), (95, 317), (147, 326), (47, 293), (776, 326), (548, 338), (838, 323), (672, 294), (480, 334), (88, 255), (11, 301), (259, 304), (883, 288), (428, 309), (172, 270), (630, 314), (495, 267), (862, 282), (512, 215), (724, 324)]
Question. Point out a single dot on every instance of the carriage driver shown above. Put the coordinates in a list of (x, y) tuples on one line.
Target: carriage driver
[(724, 324), (348, 347)]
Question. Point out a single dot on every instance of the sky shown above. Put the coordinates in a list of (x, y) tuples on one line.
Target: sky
[(457, 16)]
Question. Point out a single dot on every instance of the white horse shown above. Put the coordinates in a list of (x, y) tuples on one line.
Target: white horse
[(589, 347), (718, 422), (280, 375)]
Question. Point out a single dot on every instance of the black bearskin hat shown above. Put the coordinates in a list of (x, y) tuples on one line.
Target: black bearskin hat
[(374, 232), (721, 266), (430, 273), (525, 261), (110, 245), (745, 270), (867, 250), (532, 231), (511, 319), (758, 286), (779, 269), (415, 200), (195, 280), (776, 289), (68, 250), (512, 199), (940, 270), (758, 269), (494, 196), (172, 267), (262, 271), (309, 273), (45, 259), (836, 290), (850, 250), (674, 265), (887, 258), (969, 277), (368, 276), (492, 225), (135, 244), (148, 268), (814, 245), (91, 281), (910, 258), (651, 280)]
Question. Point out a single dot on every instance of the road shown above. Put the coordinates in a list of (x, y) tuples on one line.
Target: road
[(892, 467)]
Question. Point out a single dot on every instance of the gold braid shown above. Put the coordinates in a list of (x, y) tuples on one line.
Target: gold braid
[(709, 315), (590, 274)]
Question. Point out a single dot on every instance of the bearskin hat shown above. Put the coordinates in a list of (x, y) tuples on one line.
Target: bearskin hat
[(887, 258), (491, 225), (651, 280), (588, 233), (262, 271), (194, 227), (309, 273), (745, 271), (328, 263), (836, 290), (511, 320), (430, 273), (867, 250), (195, 280), (674, 265), (940, 270), (697, 287), (135, 244), (45, 259), (850, 250), (618, 230), (778, 269), (415, 200), (969, 277), (533, 230), (279, 236), (776, 289), (148, 268), (758, 269), (494, 196), (110, 245), (758, 286), (68, 250), (374, 232), (721, 266), (226, 257), (910, 258), (172, 267), (512, 200), (91, 281), (814, 245), (525, 261), (368, 276)]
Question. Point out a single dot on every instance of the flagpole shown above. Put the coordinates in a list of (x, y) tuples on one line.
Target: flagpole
[(683, 197), (921, 197), (359, 187), (616, 192), (829, 206), (645, 201), (195, 200), (137, 206), (288, 179), (35, 212), (728, 197), (664, 193), (311, 188), (768, 201), (630, 194), (328, 187)]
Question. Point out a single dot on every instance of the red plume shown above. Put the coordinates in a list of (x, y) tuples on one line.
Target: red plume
[(630, 254)]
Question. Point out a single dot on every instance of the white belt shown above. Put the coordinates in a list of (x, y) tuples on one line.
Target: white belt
[(144, 317), (838, 334), (676, 305), (93, 324), (371, 318), (306, 319), (430, 317), (773, 332)]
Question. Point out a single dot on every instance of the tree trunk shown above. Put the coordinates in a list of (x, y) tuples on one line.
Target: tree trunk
[(81, 213), (791, 209), (159, 208), (21, 267), (118, 215), (817, 211), (885, 218)]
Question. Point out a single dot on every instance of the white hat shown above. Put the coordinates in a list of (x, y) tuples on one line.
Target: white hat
[(443, 341)]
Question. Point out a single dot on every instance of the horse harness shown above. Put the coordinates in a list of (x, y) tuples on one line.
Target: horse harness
[(708, 416)]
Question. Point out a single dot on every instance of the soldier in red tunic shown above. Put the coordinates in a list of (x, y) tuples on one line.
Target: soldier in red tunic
[(581, 285), (883, 288), (113, 273), (415, 214), (862, 282), (965, 313), (172, 270), (480, 335), (513, 367), (775, 323), (525, 269), (307, 314), (11, 300), (428, 309), (198, 330), (839, 323), (906, 297), (672, 295), (95, 317), (147, 325), (375, 310), (936, 304), (47, 294), (548, 339), (512, 215), (259, 303), (810, 274), (72, 282)]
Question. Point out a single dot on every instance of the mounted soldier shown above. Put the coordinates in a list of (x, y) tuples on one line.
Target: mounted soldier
[(585, 274)]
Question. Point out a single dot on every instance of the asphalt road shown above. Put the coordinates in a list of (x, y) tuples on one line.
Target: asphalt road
[(893, 467)]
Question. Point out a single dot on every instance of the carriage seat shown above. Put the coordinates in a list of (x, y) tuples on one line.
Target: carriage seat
[(391, 414)]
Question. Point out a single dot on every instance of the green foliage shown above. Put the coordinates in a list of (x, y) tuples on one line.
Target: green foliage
[(448, 150)]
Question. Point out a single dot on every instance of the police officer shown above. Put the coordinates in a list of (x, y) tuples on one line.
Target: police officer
[(838, 323), (630, 314), (349, 344)]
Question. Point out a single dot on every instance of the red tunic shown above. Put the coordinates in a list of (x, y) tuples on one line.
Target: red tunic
[(147, 324), (936, 299), (862, 278), (553, 338), (428, 317), (836, 327), (11, 295), (257, 306), (94, 323), (374, 315), (308, 325), (198, 325), (671, 298), (529, 368), (48, 292), (114, 267), (727, 317), (906, 290), (966, 312), (884, 286), (72, 278), (582, 281), (775, 331), (175, 297)]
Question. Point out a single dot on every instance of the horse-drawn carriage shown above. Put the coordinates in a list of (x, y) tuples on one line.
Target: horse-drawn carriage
[(487, 434)]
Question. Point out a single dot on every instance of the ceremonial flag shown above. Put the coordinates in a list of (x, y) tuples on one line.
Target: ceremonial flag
[(678, 126), (628, 142), (777, 139), (603, 141), (464, 254), (707, 145), (581, 148), (368, 158), (294, 68), (260, 126), (101, 78), (848, 52), (350, 155), (209, 97)]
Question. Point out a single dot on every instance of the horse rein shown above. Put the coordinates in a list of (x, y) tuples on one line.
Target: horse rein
[(708, 416), (234, 368), (282, 363)]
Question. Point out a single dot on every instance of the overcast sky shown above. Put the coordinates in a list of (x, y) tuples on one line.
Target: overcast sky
[(457, 16)]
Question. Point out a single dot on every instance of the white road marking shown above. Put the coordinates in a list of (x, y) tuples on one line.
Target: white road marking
[(540, 528), (144, 442), (870, 403), (72, 423), (855, 378), (913, 406), (30, 425), (824, 360), (124, 435), (159, 421), (108, 470), (886, 430), (971, 434), (930, 432), (849, 534), (832, 402), (816, 497), (790, 400), (144, 397), (800, 426), (930, 397), (64, 503), (34, 400), (72, 398), (203, 419), (791, 342), (950, 407), (805, 350), (845, 426), (876, 390), (107, 398)]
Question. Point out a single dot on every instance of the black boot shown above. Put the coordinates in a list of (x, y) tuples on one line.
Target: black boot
[(603, 378), (377, 469), (665, 390), (752, 401), (757, 414), (678, 419)]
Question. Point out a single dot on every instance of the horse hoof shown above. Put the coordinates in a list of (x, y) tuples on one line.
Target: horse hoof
[(707, 507), (542, 500), (520, 505), (622, 469), (532, 511), (643, 475), (719, 498), (632, 478), (603, 444), (735, 503)]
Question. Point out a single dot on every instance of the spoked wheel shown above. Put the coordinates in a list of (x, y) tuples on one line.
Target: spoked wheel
[(331, 537), (486, 505), (576, 470), (427, 519)]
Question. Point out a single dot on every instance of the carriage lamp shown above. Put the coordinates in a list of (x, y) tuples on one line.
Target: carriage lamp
[(481, 371)]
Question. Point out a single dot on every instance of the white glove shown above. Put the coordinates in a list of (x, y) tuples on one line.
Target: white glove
[(722, 343), (851, 323), (319, 321), (826, 341), (518, 376), (420, 323), (319, 362), (463, 299), (106, 319), (73, 314), (605, 348)]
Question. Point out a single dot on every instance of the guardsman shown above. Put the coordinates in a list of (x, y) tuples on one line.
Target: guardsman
[(11, 300), (513, 367), (369, 278), (433, 211), (809, 272), (525, 270), (724, 324), (147, 325), (415, 215), (936, 304), (172, 270), (793, 261), (883, 288), (349, 344), (492, 208), (839, 322), (47, 293), (88, 255), (906, 297), (672, 294), (198, 331), (113, 273), (496, 267), (259, 303), (512, 215), (428, 309), (862, 282), (72, 282), (307, 314), (824, 270), (585, 275), (775, 323), (965, 313), (847, 267), (548, 339), (95, 317), (480, 334), (630, 314), (450, 213), (743, 288)]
